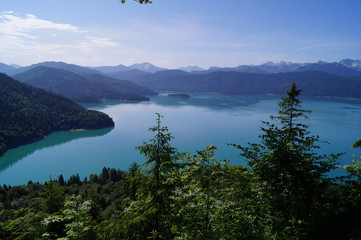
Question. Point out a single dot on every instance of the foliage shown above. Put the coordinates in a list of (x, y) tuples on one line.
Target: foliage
[(160, 163), (291, 177), (54, 196), (140, 1), (28, 114), (357, 144)]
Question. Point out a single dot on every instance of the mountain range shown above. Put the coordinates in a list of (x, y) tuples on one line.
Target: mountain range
[(312, 83), (345, 67), (84, 84)]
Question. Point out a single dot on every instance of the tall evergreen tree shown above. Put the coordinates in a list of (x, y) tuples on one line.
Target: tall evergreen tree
[(150, 215), (291, 176)]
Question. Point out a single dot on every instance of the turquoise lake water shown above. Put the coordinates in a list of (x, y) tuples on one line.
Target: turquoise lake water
[(202, 120)]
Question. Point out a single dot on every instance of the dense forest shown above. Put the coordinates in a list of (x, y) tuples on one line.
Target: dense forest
[(28, 114), (285, 192)]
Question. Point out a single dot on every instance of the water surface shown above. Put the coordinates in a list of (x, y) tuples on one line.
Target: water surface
[(202, 120)]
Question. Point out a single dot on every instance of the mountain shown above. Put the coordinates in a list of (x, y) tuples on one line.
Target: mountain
[(331, 68), (268, 67), (241, 68), (191, 69), (312, 83), (28, 114), (160, 77), (146, 67), (346, 68), (282, 66), (110, 69), (4, 68), (91, 87), (15, 65), (59, 65), (354, 64), (129, 90), (127, 75)]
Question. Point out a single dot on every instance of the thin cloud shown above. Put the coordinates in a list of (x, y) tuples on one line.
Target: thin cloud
[(26, 36), (320, 45), (25, 25), (102, 42)]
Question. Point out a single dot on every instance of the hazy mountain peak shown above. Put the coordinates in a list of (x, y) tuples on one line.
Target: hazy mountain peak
[(351, 63), (269, 64), (191, 68), (321, 62), (110, 69), (59, 65), (279, 64), (15, 65), (146, 66), (6, 68)]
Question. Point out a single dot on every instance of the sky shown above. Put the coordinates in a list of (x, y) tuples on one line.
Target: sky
[(179, 33)]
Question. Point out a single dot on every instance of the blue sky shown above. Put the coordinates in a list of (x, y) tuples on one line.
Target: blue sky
[(178, 33)]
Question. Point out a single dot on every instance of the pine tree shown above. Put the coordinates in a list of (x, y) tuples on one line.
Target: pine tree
[(291, 176), (150, 214)]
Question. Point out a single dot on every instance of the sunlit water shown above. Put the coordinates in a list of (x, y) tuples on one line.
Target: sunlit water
[(202, 120)]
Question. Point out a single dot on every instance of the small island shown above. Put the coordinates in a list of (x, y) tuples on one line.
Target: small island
[(179, 95)]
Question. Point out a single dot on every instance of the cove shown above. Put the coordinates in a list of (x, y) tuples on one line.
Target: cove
[(202, 120)]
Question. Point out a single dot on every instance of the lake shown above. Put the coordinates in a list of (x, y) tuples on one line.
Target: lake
[(202, 120)]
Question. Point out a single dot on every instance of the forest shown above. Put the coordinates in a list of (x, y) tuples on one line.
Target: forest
[(29, 114), (284, 192)]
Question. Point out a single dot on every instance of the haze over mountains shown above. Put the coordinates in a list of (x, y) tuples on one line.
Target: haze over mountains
[(268, 67), (135, 82), (83, 86)]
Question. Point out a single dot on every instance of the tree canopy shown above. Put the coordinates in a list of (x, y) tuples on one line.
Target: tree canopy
[(140, 1)]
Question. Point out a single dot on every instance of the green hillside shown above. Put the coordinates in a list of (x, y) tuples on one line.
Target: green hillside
[(28, 114)]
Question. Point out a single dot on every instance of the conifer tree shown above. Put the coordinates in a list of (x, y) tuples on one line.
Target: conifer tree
[(150, 213), (291, 176)]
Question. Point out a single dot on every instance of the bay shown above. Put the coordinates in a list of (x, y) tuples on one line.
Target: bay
[(202, 120)]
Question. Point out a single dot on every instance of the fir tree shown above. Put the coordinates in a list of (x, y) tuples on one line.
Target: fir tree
[(291, 176)]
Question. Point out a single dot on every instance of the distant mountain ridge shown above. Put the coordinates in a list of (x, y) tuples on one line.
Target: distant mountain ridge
[(354, 64), (4, 68), (327, 79), (191, 69), (312, 83), (59, 65), (145, 67), (86, 87), (331, 68), (345, 67)]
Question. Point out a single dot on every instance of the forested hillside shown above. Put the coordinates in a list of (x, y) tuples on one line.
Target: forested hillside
[(28, 113), (284, 192)]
